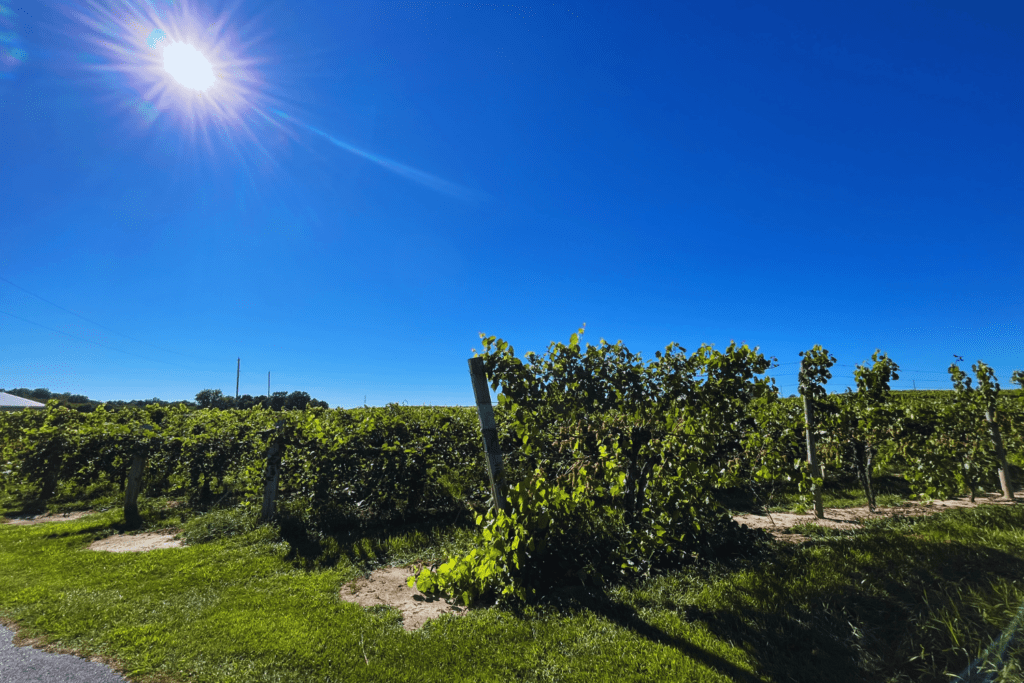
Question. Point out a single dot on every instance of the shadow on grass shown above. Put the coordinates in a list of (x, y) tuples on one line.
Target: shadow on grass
[(745, 548), (838, 487), (868, 617), (23, 509), (362, 542), (850, 609), (26, 501), (582, 599), (55, 530)]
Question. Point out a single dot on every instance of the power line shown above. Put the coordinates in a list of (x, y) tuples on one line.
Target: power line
[(89, 341), (93, 322), (931, 372)]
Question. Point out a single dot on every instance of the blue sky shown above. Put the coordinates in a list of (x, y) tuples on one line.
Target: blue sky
[(369, 185)]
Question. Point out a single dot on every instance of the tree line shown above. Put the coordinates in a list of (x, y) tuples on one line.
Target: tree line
[(279, 400), (207, 398)]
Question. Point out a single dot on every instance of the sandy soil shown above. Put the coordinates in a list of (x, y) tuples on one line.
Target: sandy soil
[(41, 519), (778, 524), (136, 543), (387, 587), (119, 543)]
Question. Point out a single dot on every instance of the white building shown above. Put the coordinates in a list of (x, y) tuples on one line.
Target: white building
[(11, 402)]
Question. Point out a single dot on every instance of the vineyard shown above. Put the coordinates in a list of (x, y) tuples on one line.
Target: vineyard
[(611, 469), (589, 515)]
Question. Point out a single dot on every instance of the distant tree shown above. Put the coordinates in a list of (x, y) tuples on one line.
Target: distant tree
[(41, 395), (44, 395), (84, 404), (245, 401), (209, 398), (297, 400), (281, 400)]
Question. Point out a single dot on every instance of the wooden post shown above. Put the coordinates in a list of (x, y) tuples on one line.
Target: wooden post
[(134, 486), (492, 451), (997, 441), (131, 490), (812, 458), (271, 475)]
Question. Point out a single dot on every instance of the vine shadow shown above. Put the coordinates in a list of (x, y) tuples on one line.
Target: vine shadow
[(361, 541), (867, 624), (866, 628)]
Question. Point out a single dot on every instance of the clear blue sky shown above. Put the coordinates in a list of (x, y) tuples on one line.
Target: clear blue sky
[(369, 185)]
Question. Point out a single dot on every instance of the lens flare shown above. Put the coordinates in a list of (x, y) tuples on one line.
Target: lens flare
[(12, 54), (179, 66), (188, 66), (413, 174), (175, 63)]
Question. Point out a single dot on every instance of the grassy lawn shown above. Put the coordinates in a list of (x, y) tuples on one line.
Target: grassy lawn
[(904, 600), (891, 490)]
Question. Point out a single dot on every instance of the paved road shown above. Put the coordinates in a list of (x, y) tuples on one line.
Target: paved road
[(26, 665)]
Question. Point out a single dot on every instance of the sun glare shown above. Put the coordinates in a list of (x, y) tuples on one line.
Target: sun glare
[(188, 66), (180, 66)]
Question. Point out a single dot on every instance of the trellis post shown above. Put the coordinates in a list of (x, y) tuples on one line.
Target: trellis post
[(492, 451), (271, 475), (134, 485), (812, 458), (997, 440)]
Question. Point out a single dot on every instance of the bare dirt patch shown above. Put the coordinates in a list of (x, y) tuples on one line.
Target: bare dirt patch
[(136, 543), (779, 524), (49, 517), (387, 587)]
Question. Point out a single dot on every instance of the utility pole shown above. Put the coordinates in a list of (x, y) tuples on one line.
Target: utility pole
[(268, 383), (238, 373)]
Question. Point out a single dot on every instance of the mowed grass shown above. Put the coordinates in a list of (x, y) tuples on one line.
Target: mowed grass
[(908, 600), (839, 491)]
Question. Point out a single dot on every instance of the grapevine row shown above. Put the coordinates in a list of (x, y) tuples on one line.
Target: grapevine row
[(616, 464)]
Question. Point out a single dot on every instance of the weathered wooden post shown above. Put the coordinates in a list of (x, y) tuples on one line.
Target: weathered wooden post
[(271, 475), (989, 390), (997, 441), (131, 491), (492, 451), (812, 457)]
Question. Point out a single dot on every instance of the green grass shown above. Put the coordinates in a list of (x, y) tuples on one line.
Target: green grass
[(890, 489), (899, 600), (238, 610)]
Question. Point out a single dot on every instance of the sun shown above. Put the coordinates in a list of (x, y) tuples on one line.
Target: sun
[(188, 66), (180, 63)]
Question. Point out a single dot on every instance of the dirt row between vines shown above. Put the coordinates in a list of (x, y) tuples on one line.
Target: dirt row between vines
[(387, 586)]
